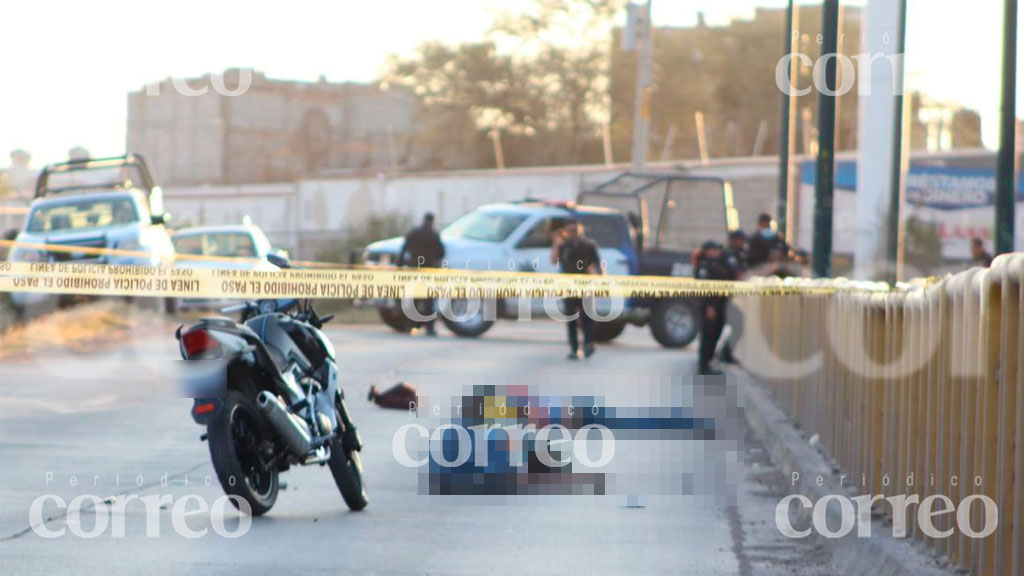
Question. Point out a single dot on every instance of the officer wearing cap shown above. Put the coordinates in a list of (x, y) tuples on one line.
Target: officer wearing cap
[(737, 252), (577, 254), (712, 264)]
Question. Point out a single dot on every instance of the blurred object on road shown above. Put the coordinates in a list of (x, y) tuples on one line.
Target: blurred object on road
[(401, 396)]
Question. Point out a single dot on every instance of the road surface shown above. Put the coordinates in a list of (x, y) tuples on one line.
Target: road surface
[(91, 423)]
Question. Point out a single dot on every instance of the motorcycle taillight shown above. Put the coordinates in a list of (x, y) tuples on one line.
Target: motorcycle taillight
[(200, 342)]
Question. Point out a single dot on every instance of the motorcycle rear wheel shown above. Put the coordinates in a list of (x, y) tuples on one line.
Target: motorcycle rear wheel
[(240, 439)]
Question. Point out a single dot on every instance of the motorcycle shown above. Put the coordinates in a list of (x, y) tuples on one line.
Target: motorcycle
[(281, 404)]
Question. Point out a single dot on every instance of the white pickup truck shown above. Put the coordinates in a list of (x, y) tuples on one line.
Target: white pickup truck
[(108, 203), (513, 237), (644, 223)]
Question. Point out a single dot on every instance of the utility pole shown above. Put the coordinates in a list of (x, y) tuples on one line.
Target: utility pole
[(1005, 162), (499, 154), (638, 39), (787, 125), (606, 137), (702, 136), (825, 168), (894, 237)]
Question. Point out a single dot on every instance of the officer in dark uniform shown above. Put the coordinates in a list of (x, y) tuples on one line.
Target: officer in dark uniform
[(737, 253), (423, 249), (763, 242), (577, 254), (712, 265), (736, 257)]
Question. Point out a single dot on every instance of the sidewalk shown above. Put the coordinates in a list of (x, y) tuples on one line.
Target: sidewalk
[(879, 555)]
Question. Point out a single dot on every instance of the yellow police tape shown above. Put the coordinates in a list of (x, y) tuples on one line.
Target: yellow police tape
[(360, 283), (117, 252), (336, 281)]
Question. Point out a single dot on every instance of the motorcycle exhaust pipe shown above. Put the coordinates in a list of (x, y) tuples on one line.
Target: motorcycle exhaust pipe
[(292, 429)]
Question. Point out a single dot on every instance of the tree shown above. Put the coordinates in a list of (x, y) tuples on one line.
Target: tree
[(728, 73), (463, 88), (540, 79), (567, 44), (547, 77), (923, 245)]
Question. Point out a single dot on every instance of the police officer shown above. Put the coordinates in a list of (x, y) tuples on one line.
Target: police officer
[(736, 258), (423, 249), (763, 242), (577, 254), (712, 264), (737, 253), (980, 256)]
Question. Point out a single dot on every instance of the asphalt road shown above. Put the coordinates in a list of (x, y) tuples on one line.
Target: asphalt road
[(96, 423)]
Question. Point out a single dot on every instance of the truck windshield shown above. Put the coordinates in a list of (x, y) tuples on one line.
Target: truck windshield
[(484, 226), (83, 215)]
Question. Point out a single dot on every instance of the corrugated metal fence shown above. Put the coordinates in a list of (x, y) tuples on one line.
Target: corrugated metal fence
[(917, 390)]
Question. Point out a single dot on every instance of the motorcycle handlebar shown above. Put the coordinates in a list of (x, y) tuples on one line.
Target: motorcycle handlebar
[(307, 315)]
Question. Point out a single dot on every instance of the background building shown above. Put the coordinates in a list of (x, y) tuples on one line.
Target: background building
[(272, 131)]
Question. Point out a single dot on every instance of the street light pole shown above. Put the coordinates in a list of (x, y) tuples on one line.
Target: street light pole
[(787, 127), (1005, 162), (641, 102), (894, 236), (825, 167)]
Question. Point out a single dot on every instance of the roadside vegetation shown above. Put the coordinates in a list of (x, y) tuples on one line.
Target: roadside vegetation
[(350, 246), (73, 329)]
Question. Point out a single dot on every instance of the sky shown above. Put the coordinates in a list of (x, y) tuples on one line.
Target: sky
[(66, 66)]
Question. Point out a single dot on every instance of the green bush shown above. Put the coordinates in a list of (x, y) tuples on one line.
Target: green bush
[(354, 240)]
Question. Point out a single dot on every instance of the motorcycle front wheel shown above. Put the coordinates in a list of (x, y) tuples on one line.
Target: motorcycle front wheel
[(347, 470), (240, 443)]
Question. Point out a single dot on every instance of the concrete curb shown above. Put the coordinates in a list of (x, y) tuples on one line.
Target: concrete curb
[(880, 555)]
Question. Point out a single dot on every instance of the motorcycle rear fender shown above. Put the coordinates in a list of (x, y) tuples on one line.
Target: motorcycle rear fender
[(246, 359), (205, 410), (237, 341)]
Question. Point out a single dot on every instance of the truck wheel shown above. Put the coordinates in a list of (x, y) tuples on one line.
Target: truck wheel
[(608, 331), (459, 319), (394, 318), (674, 323)]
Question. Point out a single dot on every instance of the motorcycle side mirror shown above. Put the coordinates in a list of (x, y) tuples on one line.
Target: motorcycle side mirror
[(278, 260)]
